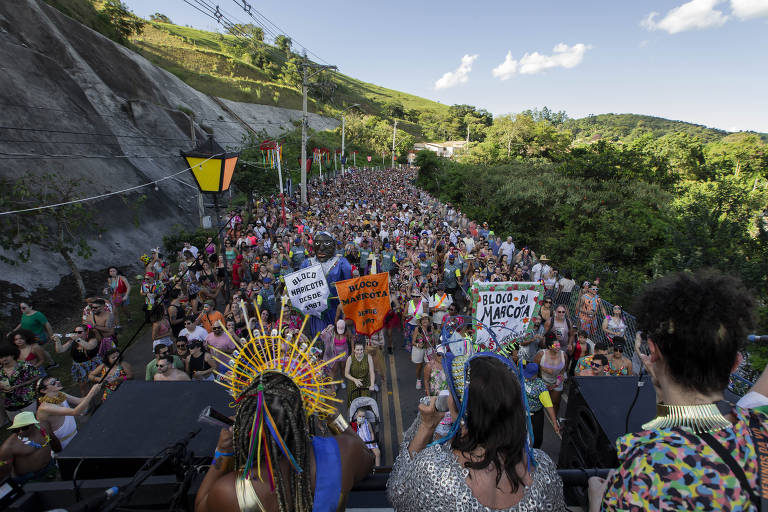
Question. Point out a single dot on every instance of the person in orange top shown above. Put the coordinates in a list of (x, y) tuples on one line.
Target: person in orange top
[(209, 316)]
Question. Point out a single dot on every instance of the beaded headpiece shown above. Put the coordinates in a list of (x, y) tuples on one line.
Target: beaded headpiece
[(272, 352)]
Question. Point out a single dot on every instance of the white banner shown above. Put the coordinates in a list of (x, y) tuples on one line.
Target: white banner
[(506, 307), (308, 290)]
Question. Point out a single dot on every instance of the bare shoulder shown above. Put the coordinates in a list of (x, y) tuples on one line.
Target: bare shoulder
[(222, 496)]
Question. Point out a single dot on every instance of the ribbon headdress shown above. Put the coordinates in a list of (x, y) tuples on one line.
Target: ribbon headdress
[(457, 371), (264, 353)]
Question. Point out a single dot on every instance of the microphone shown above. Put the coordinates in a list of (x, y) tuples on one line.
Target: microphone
[(754, 338)]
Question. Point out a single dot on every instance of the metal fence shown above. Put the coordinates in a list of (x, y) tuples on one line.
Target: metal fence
[(741, 380)]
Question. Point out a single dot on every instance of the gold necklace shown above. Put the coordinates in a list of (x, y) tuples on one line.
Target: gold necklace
[(59, 398), (705, 418)]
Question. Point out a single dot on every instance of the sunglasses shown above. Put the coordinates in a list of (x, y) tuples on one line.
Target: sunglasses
[(596, 366), (79, 332)]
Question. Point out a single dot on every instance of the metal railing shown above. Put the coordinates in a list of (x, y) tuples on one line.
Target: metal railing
[(741, 380)]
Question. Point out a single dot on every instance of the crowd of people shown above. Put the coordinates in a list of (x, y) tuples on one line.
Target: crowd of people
[(352, 226)]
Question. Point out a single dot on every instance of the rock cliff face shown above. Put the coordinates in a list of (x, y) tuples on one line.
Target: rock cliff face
[(76, 103)]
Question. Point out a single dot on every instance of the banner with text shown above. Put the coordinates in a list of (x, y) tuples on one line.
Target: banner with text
[(366, 301), (308, 290), (506, 308)]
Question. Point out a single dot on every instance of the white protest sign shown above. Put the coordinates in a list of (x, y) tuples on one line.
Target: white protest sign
[(308, 290), (507, 308)]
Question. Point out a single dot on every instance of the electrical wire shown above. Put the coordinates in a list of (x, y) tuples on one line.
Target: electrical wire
[(249, 10), (108, 194)]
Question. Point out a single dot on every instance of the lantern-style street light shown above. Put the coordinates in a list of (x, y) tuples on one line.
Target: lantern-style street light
[(212, 168)]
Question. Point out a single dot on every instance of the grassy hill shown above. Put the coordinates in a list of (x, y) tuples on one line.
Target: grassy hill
[(215, 64)]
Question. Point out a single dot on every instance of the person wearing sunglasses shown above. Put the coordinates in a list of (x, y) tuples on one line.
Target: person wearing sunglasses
[(83, 347), (59, 408), (29, 450), (598, 367), (620, 364)]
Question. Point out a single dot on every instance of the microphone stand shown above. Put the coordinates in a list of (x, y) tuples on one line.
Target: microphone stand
[(117, 496)]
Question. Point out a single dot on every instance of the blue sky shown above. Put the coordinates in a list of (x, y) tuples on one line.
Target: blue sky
[(702, 61)]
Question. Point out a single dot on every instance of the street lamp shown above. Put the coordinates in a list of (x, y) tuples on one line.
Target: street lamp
[(212, 168), (343, 131)]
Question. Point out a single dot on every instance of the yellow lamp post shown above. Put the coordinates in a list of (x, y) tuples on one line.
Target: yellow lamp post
[(212, 168)]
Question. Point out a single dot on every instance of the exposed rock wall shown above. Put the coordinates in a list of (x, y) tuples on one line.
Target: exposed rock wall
[(76, 103)]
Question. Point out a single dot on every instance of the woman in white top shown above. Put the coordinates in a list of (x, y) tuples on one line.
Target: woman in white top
[(58, 408), (613, 325)]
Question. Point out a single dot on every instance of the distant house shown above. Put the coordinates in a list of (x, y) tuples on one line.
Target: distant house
[(443, 149)]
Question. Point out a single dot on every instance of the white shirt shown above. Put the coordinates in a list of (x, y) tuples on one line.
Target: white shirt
[(198, 333), (437, 316), (540, 269), (417, 307), (191, 249), (508, 248)]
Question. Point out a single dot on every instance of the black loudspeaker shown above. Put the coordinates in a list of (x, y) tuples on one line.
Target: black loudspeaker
[(137, 422), (596, 415)]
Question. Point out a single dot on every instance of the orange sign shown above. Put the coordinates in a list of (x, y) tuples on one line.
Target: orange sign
[(366, 301)]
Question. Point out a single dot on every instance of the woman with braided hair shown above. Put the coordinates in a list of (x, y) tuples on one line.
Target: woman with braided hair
[(308, 471)]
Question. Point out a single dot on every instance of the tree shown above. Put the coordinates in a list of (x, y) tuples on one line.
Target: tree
[(290, 74), (393, 109), (122, 21), (429, 166), (160, 18), (247, 30), (61, 230), (284, 43)]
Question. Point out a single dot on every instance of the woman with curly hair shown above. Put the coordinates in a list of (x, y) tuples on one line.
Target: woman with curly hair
[(329, 466), (699, 453)]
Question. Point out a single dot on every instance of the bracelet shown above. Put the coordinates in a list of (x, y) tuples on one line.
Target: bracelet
[(338, 425), (218, 454)]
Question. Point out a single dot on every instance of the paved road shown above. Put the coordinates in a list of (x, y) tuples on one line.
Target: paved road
[(398, 398), (398, 402)]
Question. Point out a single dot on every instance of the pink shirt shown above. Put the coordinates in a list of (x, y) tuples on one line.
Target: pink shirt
[(221, 342)]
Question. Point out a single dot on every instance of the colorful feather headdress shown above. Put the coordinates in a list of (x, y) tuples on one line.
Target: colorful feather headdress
[(272, 352)]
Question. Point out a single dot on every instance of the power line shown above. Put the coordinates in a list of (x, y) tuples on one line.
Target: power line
[(249, 10), (108, 194), (46, 156)]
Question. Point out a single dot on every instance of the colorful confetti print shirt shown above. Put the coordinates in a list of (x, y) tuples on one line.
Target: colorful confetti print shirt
[(674, 469)]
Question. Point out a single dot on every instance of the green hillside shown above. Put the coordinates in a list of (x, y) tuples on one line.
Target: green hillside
[(220, 65), (627, 127)]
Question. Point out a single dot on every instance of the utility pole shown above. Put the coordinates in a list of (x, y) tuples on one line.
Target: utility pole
[(394, 136), (343, 131), (304, 131), (200, 204), (305, 76)]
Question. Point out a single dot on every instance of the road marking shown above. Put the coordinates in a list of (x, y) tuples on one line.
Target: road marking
[(396, 402), (385, 419)]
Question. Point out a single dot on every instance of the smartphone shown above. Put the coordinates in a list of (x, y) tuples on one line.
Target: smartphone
[(642, 343), (441, 404), (214, 418)]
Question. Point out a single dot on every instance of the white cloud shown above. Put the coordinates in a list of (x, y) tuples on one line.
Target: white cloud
[(746, 9), (695, 14), (460, 76), (563, 56), (506, 69)]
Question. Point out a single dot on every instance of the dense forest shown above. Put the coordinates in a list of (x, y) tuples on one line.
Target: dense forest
[(626, 211)]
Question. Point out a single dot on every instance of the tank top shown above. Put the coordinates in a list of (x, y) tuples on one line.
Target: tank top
[(163, 329), (339, 341), (548, 378), (79, 355), (198, 364)]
